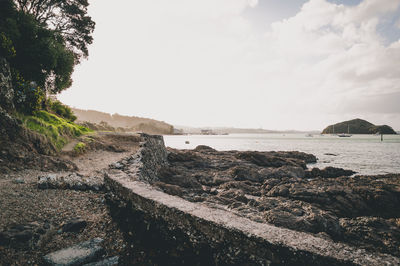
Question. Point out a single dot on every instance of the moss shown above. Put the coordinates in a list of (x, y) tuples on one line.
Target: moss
[(57, 129), (80, 148)]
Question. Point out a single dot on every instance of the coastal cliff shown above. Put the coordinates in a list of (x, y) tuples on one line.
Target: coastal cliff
[(358, 126)]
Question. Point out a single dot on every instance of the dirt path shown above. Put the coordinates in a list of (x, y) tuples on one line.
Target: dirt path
[(22, 203)]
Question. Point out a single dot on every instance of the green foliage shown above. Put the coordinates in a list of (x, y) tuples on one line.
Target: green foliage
[(6, 46), (61, 110), (28, 97), (68, 18), (43, 40), (80, 148), (56, 129), (41, 55)]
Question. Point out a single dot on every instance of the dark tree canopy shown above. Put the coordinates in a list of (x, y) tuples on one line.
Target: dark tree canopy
[(67, 17), (43, 40)]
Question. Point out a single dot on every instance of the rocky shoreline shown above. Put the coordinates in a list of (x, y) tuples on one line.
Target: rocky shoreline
[(277, 188), (175, 206)]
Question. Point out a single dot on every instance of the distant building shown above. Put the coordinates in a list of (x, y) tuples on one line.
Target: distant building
[(207, 132)]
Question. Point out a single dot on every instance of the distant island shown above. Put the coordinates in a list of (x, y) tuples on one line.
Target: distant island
[(232, 130), (358, 126)]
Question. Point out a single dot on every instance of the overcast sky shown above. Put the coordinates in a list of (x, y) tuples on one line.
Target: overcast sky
[(244, 63)]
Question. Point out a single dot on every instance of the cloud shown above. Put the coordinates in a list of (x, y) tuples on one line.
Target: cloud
[(336, 54), (205, 63)]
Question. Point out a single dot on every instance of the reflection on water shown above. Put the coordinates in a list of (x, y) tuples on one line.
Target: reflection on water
[(365, 154)]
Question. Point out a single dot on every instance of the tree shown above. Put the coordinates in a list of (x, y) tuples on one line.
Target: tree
[(67, 17), (43, 40)]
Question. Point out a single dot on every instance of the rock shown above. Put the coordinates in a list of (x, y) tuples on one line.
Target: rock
[(106, 262), (264, 159), (116, 165), (73, 181), (170, 189), (275, 188), (204, 148), (74, 225), (19, 181), (85, 252), (328, 172), (382, 234), (22, 235)]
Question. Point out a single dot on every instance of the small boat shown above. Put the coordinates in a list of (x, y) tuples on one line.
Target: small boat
[(344, 135), (187, 142), (309, 135)]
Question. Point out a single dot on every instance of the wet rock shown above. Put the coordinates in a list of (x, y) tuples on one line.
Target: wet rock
[(85, 252), (106, 262), (74, 225), (267, 160), (73, 181), (204, 148), (329, 172)]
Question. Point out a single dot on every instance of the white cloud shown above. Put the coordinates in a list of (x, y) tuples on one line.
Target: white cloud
[(203, 63)]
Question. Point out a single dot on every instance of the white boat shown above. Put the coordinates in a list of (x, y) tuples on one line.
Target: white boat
[(344, 135)]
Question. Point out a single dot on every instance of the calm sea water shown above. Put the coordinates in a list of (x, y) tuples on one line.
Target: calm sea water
[(365, 154)]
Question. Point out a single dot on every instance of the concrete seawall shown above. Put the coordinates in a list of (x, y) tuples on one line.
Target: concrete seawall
[(167, 230)]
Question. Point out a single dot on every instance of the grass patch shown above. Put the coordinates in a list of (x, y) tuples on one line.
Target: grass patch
[(80, 148), (55, 128)]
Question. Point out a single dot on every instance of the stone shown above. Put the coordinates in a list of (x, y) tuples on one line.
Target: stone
[(79, 254), (106, 262), (22, 235), (72, 181), (74, 225), (19, 181), (328, 172), (116, 165)]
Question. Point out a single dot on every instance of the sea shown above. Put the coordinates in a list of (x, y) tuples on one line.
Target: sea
[(365, 154)]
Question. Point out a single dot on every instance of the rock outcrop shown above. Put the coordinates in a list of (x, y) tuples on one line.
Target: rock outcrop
[(220, 204)]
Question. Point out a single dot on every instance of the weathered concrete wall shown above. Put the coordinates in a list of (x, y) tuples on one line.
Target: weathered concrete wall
[(168, 230)]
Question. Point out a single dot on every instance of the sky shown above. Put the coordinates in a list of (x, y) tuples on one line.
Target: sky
[(268, 64)]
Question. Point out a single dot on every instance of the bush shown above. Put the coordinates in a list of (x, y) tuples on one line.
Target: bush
[(28, 97), (61, 109), (80, 148)]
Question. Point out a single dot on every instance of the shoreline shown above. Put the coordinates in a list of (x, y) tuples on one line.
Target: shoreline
[(238, 184)]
